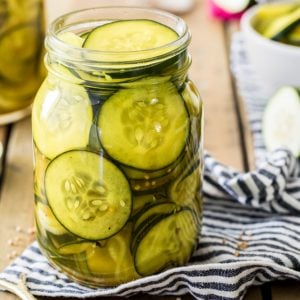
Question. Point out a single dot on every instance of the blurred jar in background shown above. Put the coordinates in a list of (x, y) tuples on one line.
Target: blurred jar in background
[(21, 55)]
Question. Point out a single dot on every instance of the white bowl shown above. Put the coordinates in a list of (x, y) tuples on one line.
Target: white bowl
[(275, 64)]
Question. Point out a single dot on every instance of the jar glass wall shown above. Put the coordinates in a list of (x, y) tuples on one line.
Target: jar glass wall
[(21, 47), (118, 152)]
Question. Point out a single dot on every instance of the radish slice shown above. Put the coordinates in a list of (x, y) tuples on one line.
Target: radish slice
[(232, 6), (221, 9)]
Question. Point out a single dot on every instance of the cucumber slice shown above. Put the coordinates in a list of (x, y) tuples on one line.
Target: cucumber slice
[(64, 121), (154, 210), (145, 128), (76, 248), (88, 194), (269, 12), (168, 242), (293, 37), (281, 120), (139, 202), (47, 220), (41, 163), (113, 259), (130, 35), (71, 39), (282, 24), (185, 189)]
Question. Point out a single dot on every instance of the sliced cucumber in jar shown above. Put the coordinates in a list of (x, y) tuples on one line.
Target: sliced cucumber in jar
[(281, 120), (71, 39), (76, 248), (41, 163), (47, 221), (63, 122), (130, 35), (88, 194), (140, 202), (145, 128), (168, 242), (185, 189), (157, 209), (113, 259)]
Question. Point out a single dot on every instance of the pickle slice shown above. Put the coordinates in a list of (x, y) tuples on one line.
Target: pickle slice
[(168, 241), (47, 221), (293, 37), (63, 122), (130, 36), (282, 24), (154, 210), (145, 128), (112, 258), (88, 194)]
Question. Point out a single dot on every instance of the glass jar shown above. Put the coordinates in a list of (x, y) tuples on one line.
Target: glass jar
[(118, 153), (21, 47)]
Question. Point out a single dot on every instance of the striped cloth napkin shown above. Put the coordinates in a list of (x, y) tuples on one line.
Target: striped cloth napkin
[(250, 232)]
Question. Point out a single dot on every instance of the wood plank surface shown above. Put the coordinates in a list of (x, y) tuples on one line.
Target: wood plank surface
[(210, 72)]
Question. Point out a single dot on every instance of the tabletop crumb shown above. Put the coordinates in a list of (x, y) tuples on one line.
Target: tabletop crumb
[(224, 241), (237, 253), (19, 229), (31, 230)]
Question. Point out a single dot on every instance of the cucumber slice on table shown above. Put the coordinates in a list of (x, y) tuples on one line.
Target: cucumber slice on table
[(281, 120), (145, 128), (130, 35), (64, 123), (88, 194), (168, 241)]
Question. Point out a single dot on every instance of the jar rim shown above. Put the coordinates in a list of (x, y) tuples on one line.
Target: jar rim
[(56, 45)]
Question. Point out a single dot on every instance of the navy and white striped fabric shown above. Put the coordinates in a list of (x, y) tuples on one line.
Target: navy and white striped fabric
[(250, 233)]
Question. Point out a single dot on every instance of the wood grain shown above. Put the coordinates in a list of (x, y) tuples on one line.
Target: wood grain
[(16, 205), (247, 140), (210, 73)]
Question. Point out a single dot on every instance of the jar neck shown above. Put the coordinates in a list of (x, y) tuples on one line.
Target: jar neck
[(169, 60)]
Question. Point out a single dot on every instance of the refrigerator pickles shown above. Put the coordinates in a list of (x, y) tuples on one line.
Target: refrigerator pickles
[(118, 157)]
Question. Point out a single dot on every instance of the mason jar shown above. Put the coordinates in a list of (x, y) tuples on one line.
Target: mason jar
[(118, 148), (21, 47)]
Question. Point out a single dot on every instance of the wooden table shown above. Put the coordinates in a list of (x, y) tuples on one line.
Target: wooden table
[(227, 137)]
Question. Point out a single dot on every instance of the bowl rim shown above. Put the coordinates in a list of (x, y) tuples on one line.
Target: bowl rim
[(247, 27)]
